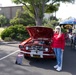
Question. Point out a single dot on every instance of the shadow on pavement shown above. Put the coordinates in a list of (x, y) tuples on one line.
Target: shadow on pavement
[(69, 61), (69, 64)]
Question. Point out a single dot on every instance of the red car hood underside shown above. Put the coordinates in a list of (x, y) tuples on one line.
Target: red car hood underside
[(40, 32)]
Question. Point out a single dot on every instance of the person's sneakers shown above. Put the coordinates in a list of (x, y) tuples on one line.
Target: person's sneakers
[(56, 66), (59, 69)]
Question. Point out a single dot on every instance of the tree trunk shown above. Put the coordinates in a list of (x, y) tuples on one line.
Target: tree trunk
[(38, 11), (38, 21)]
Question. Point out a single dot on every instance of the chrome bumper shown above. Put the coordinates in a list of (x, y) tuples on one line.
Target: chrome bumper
[(39, 53)]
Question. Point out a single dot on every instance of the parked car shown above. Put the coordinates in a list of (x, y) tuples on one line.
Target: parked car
[(38, 45)]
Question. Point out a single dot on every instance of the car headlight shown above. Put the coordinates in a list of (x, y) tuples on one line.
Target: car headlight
[(20, 46), (46, 49), (27, 48)]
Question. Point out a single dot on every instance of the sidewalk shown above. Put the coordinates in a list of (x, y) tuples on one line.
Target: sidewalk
[(9, 42)]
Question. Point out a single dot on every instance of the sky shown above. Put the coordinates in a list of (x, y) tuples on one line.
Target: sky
[(6, 3), (65, 10)]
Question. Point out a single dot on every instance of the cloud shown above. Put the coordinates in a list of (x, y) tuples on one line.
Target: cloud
[(66, 10)]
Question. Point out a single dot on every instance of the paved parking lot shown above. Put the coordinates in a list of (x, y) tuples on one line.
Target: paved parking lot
[(33, 66)]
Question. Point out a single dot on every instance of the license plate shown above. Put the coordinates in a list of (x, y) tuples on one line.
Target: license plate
[(36, 56)]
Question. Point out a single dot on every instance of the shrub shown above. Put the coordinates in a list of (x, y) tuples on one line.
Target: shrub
[(63, 30), (3, 21), (22, 18), (16, 32), (48, 24), (7, 39)]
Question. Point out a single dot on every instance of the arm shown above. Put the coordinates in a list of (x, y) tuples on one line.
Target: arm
[(63, 41)]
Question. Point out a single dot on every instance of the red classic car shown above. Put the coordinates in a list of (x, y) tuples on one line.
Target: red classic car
[(39, 43)]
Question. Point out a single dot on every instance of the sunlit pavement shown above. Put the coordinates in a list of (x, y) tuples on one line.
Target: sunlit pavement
[(33, 66)]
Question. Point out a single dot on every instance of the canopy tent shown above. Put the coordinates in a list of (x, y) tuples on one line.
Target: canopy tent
[(71, 21), (69, 24)]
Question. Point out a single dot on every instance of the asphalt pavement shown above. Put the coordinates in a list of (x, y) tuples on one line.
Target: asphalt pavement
[(33, 66)]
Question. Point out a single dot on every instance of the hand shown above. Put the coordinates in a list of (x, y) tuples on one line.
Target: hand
[(62, 49)]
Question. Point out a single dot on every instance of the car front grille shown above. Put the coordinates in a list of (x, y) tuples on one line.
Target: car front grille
[(36, 47)]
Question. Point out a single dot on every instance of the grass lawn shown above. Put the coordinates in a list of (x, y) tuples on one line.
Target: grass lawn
[(1, 29)]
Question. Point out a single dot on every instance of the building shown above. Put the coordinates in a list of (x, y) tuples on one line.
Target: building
[(10, 11)]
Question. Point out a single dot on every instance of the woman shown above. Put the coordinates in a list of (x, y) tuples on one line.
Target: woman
[(58, 47)]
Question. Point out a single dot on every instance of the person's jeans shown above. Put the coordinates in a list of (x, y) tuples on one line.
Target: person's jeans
[(59, 56)]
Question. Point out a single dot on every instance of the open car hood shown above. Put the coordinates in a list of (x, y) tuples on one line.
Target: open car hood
[(40, 32)]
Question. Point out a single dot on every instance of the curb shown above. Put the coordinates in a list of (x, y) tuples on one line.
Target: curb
[(10, 42)]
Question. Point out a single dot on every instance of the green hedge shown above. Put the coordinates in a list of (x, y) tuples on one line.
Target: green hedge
[(16, 32)]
